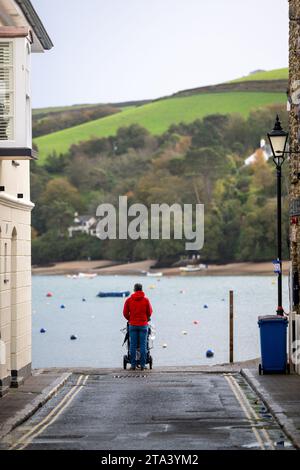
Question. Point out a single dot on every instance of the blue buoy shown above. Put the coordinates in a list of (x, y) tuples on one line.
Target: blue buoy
[(62, 306), (73, 337), (42, 330), (205, 306), (210, 353)]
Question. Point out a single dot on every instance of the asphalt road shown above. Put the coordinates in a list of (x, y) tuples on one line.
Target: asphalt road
[(154, 410)]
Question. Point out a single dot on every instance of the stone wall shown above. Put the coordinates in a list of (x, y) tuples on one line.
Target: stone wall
[(294, 128)]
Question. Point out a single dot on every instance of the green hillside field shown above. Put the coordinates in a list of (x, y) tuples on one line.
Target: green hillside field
[(277, 74), (158, 116)]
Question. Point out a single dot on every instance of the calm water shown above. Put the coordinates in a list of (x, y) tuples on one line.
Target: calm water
[(177, 303)]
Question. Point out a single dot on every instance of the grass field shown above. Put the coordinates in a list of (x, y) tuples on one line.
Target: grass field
[(158, 116), (277, 74)]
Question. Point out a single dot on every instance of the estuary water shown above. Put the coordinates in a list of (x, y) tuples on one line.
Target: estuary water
[(185, 329)]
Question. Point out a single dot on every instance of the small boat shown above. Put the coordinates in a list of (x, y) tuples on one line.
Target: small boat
[(87, 275), (155, 274), (82, 276), (114, 294), (191, 268)]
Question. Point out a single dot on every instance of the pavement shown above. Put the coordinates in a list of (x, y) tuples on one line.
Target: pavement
[(19, 404), (211, 408), (281, 394)]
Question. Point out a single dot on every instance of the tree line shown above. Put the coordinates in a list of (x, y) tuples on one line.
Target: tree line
[(200, 162)]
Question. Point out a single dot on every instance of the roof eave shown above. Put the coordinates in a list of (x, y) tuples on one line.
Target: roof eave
[(36, 23)]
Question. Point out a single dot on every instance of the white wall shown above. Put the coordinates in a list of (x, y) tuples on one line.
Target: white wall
[(15, 179), (15, 230), (15, 285)]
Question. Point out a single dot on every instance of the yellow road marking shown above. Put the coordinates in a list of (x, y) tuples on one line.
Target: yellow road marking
[(49, 414), (54, 418), (252, 411), (248, 416), (51, 417)]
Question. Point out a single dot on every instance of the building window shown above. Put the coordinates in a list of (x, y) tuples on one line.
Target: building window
[(6, 280), (6, 91)]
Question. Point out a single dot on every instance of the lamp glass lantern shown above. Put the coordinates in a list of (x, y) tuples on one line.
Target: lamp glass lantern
[(278, 140)]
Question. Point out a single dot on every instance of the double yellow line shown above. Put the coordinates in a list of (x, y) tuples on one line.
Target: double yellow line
[(261, 435), (27, 438)]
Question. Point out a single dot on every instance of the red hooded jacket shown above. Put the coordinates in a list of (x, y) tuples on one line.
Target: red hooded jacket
[(137, 309)]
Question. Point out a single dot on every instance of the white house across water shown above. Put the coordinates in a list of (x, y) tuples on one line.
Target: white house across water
[(21, 34)]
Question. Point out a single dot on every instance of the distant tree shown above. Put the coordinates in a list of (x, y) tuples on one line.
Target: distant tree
[(261, 121), (162, 187), (92, 147), (59, 202), (208, 163), (263, 180), (133, 136), (87, 173), (56, 164), (257, 241), (201, 162), (52, 121), (209, 131)]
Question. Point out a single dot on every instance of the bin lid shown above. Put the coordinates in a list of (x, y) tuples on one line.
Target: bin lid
[(277, 318)]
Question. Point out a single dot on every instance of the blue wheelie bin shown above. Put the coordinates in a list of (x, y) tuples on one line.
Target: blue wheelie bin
[(273, 344)]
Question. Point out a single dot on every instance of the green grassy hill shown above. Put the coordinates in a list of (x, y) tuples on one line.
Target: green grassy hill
[(277, 74), (158, 116)]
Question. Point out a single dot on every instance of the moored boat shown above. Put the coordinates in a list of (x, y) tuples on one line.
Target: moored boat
[(155, 274), (114, 294), (87, 275), (191, 268), (82, 276)]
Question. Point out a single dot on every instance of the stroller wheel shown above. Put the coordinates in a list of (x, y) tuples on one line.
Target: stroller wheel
[(150, 362), (125, 361)]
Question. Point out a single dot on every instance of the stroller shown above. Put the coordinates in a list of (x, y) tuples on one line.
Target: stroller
[(127, 358)]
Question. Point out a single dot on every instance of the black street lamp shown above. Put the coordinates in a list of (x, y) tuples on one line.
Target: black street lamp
[(278, 140)]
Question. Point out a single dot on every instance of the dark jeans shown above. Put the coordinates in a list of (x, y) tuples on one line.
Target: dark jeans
[(138, 335)]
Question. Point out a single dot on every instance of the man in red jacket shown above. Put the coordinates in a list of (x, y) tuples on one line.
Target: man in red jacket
[(137, 311)]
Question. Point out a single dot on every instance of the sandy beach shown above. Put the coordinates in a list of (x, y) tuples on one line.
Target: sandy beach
[(106, 267)]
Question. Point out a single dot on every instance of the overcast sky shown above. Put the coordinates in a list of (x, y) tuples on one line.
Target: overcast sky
[(119, 50)]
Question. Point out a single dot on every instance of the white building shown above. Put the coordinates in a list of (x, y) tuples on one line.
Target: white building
[(83, 224), (21, 33), (264, 152)]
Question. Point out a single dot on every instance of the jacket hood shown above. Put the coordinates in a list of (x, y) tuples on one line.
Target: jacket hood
[(139, 295)]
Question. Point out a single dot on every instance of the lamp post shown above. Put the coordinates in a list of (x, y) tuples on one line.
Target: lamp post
[(278, 140)]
